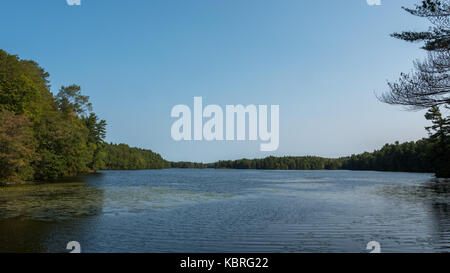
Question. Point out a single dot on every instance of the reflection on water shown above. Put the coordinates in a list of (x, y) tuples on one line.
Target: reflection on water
[(30, 213), (430, 190), (434, 194), (229, 211)]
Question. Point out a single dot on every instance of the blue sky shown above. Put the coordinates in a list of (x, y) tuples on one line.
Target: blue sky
[(321, 61)]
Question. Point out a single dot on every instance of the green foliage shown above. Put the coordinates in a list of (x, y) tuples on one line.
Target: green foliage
[(428, 84), (123, 157), (406, 157), (437, 37), (17, 147), (425, 155), (439, 133), (97, 133), (282, 163), (63, 146), (441, 126), (23, 87), (187, 165), (44, 137), (427, 87), (71, 101)]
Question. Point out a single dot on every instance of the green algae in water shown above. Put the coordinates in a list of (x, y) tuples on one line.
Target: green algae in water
[(50, 202), (134, 199), (62, 201)]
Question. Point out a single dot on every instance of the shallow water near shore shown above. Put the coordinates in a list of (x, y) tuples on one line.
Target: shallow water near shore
[(229, 211)]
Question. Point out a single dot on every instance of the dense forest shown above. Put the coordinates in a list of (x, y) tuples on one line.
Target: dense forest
[(424, 155), (417, 156), (123, 157), (42, 136), (46, 137), (188, 165), (282, 163)]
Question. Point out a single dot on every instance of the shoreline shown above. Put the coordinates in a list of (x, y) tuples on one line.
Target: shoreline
[(74, 178)]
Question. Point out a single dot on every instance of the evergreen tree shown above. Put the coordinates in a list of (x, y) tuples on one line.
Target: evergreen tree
[(440, 132), (429, 84), (441, 126)]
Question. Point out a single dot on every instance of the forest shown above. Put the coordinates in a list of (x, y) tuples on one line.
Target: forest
[(45, 137), (424, 156), (124, 157), (282, 163)]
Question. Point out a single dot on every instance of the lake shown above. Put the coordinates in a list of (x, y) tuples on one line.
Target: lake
[(188, 210)]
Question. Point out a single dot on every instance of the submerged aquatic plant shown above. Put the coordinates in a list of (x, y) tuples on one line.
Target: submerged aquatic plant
[(52, 202), (62, 201)]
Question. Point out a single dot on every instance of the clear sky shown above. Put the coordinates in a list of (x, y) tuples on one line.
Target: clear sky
[(322, 61)]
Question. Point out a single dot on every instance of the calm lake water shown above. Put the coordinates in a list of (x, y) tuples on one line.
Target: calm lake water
[(229, 211)]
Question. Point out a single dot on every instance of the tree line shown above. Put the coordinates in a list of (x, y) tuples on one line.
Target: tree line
[(46, 137), (281, 163), (124, 157), (419, 156), (188, 165)]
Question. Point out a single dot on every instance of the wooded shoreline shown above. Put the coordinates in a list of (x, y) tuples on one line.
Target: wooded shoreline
[(45, 137)]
